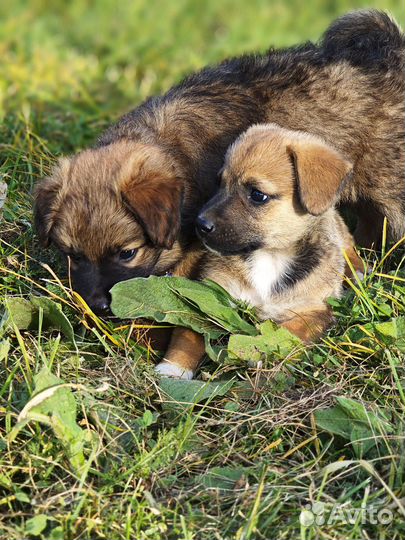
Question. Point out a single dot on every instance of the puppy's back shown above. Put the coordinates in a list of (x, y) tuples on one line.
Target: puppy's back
[(365, 38)]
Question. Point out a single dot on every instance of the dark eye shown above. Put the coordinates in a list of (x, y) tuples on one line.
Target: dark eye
[(127, 254), (258, 197)]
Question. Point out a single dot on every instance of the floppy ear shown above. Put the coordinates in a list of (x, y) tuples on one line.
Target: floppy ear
[(47, 201), (154, 194), (320, 172)]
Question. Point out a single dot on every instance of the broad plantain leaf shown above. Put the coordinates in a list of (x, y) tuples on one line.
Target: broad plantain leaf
[(215, 302), (351, 420), (357, 411), (153, 298), (54, 404), (225, 478), (400, 342), (202, 306), (273, 340), (35, 525), (25, 314), (19, 311), (334, 420), (191, 392)]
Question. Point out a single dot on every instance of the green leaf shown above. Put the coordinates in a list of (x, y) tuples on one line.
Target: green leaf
[(5, 481), (53, 315), (223, 477), (214, 351), (22, 497), (335, 420), (357, 411), (273, 341), (20, 311), (154, 298), (351, 420), (232, 406), (387, 329), (54, 404), (362, 439), (4, 349), (391, 333), (214, 301), (385, 309), (148, 418), (191, 392), (400, 342), (36, 525), (25, 314), (57, 534)]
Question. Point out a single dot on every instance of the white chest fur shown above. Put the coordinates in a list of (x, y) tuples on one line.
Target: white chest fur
[(264, 270)]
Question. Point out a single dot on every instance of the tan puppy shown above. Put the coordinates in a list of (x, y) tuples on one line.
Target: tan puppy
[(275, 240)]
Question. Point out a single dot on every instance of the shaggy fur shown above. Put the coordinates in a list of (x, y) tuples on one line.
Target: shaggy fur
[(140, 188), (270, 243)]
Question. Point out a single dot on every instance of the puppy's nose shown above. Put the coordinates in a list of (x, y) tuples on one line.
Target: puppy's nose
[(100, 306), (204, 225)]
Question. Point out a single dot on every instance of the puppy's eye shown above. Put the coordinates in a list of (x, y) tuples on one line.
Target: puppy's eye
[(127, 254), (258, 197)]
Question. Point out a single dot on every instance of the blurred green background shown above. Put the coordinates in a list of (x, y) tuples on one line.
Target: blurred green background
[(103, 56)]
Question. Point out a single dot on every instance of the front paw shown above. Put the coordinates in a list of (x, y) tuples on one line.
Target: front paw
[(174, 371)]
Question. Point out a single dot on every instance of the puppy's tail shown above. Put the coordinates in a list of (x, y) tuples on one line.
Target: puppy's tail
[(365, 38)]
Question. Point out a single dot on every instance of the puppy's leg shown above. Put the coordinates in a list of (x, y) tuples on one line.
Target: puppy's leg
[(310, 325), (183, 355), (158, 338), (355, 261), (351, 253)]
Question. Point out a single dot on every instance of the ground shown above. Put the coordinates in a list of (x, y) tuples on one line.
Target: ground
[(111, 454)]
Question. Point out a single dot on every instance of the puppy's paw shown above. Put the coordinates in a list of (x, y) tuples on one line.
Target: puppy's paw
[(168, 369)]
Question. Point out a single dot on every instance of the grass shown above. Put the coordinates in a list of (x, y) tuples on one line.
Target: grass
[(241, 466)]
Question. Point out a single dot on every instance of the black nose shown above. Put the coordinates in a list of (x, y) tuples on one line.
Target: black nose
[(204, 225), (100, 306)]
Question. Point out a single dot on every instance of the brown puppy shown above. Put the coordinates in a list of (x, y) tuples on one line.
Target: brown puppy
[(126, 207), (274, 236)]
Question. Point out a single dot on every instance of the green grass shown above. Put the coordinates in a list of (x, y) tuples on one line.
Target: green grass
[(240, 466)]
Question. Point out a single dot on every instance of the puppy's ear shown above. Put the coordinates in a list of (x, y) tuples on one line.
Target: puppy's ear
[(48, 195), (153, 192), (320, 172)]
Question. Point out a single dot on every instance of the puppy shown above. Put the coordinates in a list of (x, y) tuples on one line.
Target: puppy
[(126, 207), (274, 237)]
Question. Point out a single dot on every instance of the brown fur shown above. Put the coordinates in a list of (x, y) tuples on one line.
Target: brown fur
[(185, 349), (152, 188), (285, 256), (310, 325), (320, 173)]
